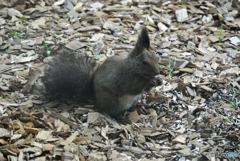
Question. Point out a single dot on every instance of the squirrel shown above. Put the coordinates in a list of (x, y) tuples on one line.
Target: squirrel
[(115, 86)]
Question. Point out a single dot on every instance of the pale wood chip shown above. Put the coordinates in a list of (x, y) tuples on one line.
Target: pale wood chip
[(70, 139), (180, 139), (4, 132), (44, 135), (92, 117), (134, 116), (75, 44)]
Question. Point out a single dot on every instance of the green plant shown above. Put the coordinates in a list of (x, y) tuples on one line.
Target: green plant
[(69, 15), (46, 45), (20, 19), (182, 4), (6, 51), (221, 32), (170, 69), (123, 40), (172, 109), (225, 118), (59, 37), (160, 65), (233, 104), (97, 57), (234, 100), (16, 35), (24, 34), (48, 51), (191, 14), (154, 89), (19, 35)]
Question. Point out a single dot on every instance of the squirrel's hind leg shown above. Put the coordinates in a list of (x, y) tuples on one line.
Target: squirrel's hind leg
[(105, 102)]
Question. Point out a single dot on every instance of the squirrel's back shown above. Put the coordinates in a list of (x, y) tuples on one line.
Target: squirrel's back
[(68, 75)]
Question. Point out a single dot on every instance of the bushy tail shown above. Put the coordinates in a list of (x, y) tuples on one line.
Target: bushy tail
[(68, 75)]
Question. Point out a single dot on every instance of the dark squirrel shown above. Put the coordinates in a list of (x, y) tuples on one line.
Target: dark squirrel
[(115, 86)]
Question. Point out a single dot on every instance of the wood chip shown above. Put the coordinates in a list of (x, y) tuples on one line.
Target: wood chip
[(192, 112)]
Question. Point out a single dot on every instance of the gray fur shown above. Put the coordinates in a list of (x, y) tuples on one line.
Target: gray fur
[(117, 84)]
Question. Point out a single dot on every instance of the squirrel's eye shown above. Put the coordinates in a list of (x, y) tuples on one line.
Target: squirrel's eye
[(144, 63)]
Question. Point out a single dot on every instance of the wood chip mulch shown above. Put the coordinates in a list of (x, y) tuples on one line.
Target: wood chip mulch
[(193, 115)]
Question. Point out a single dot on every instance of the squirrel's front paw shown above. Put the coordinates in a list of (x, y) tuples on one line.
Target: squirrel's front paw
[(153, 82), (156, 81)]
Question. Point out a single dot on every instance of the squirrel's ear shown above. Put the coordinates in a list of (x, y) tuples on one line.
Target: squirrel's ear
[(143, 42)]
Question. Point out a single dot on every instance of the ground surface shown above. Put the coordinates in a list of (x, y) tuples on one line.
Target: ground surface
[(193, 115)]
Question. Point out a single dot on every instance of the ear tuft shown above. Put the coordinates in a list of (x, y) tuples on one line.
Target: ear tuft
[(143, 42), (143, 39)]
